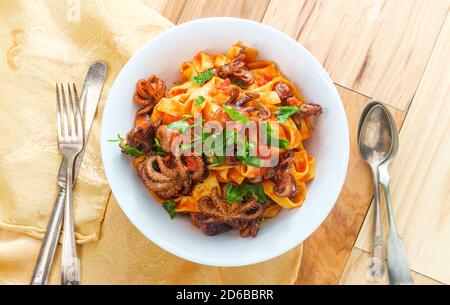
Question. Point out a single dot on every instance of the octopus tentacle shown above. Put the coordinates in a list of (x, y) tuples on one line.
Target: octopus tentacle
[(167, 171), (219, 203), (149, 91), (250, 96), (234, 94), (168, 182), (197, 168), (237, 69), (263, 112), (217, 215), (152, 173)]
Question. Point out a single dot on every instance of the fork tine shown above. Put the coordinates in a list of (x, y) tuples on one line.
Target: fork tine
[(58, 114), (71, 114), (64, 112), (78, 114)]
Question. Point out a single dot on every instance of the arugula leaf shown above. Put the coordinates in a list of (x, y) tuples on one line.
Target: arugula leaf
[(253, 161), (181, 125), (169, 207), (231, 137), (200, 99), (119, 139), (216, 161), (127, 149), (202, 77), (235, 115), (285, 112), (131, 151), (282, 143), (159, 151), (235, 193), (198, 140), (258, 191)]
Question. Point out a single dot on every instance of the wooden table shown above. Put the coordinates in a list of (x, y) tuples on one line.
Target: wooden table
[(397, 51)]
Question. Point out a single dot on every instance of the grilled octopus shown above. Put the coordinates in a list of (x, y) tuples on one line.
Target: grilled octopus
[(289, 99), (236, 70), (281, 174), (170, 176), (217, 215), (148, 93), (235, 101)]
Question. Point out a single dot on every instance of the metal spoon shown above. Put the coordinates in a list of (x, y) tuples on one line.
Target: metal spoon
[(375, 145), (398, 268)]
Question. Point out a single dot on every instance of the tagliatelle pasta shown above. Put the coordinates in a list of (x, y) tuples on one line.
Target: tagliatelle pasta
[(225, 144)]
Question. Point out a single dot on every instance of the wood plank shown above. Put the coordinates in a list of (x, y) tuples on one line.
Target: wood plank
[(249, 9), (355, 272), (421, 171), (327, 250), (171, 9), (369, 46)]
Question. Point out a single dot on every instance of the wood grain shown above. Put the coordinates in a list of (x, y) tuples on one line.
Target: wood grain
[(171, 9), (355, 272), (249, 9), (421, 171), (369, 46), (380, 49), (326, 251)]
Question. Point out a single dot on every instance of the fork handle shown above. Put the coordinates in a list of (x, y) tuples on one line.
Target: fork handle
[(51, 238), (70, 268)]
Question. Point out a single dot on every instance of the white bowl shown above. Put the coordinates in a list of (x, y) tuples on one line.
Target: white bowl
[(329, 143)]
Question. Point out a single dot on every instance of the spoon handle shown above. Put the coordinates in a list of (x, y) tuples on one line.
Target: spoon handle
[(397, 261), (377, 261)]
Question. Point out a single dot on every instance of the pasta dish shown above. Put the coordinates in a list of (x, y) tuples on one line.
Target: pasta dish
[(224, 145)]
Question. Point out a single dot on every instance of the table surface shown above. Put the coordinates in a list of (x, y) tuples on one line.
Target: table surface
[(396, 51)]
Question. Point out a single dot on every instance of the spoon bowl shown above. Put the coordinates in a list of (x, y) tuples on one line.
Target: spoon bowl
[(375, 138)]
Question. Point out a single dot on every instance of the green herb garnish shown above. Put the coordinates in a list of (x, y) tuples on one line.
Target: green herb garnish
[(234, 114), (127, 149), (181, 125), (253, 161), (169, 206), (199, 100), (271, 137), (285, 112), (158, 149), (245, 153), (235, 193), (216, 161), (202, 77)]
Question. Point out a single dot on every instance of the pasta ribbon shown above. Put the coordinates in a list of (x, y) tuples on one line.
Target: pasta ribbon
[(284, 202), (304, 166), (190, 203)]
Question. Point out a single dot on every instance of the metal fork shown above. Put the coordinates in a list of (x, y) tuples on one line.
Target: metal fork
[(70, 143)]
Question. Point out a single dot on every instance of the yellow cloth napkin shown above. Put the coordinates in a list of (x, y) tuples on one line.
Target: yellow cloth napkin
[(44, 42), (124, 256)]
